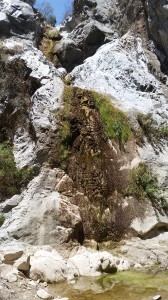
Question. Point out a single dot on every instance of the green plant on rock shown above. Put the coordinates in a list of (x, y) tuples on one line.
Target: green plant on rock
[(11, 178), (114, 120), (144, 185), (2, 220)]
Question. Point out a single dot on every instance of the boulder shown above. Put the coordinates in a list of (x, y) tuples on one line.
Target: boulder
[(69, 54), (92, 263), (88, 37), (51, 267)]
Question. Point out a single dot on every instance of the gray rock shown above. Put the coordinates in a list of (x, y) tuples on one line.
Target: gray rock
[(8, 205), (23, 263), (88, 37)]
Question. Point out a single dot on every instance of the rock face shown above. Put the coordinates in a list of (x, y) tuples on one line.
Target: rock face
[(43, 216), (17, 18)]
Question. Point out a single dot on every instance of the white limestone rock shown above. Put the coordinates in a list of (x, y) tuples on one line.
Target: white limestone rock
[(120, 70), (46, 100)]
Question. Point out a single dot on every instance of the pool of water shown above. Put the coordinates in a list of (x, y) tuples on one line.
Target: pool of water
[(122, 285)]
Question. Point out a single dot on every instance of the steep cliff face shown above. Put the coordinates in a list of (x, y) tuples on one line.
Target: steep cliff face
[(94, 141)]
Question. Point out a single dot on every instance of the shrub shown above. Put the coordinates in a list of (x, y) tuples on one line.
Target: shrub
[(11, 178), (144, 184)]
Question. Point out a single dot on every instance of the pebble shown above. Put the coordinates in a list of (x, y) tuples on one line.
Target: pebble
[(157, 297), (43, 294)]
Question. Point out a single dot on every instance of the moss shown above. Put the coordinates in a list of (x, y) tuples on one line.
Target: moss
[(136, 280), (114, 123), (114, 120), (154, 133), (2, 220), (11, 178)]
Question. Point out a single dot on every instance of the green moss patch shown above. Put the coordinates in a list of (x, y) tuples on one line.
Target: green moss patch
[(115, 122), (137, 279)]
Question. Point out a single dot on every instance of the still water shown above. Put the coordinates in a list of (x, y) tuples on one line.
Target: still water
[(121, 286)]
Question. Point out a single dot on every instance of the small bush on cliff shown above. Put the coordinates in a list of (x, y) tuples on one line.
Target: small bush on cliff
[(11, 178), (154, 133)]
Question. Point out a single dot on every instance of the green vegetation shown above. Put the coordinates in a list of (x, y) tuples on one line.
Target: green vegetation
[(63, 141), (144, 184), (11, 178), (2, 220), (154, 133), (114, 120)]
